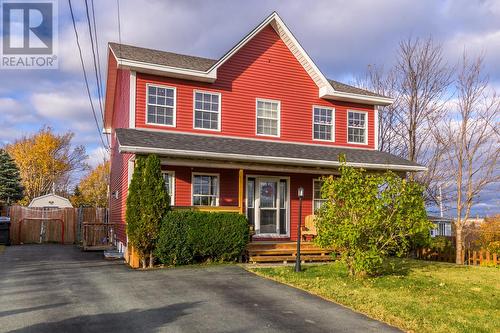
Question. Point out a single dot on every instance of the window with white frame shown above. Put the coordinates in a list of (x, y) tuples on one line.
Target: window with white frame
[(357, 127), (317, 198), (169, 178), (323, 123), (268, 117), (161, 105), (206, 110), (205, 190)]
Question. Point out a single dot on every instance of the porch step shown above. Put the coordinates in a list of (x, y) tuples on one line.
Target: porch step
[(289, 259), (286, 252)]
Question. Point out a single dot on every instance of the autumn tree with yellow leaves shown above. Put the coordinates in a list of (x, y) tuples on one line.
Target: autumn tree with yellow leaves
[(46, 159), (92, 191)]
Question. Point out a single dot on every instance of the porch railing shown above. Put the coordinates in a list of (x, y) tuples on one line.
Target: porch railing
[(229, 209)]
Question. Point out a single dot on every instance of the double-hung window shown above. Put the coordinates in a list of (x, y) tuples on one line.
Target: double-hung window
[(205, 190), (357, 125), (161, 105), (323, 124), (169, 179), (268, 117), (317, 198), (207, 110)]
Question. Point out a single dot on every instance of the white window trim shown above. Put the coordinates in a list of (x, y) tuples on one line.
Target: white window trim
[(333, 122), (174, 121), (219, 111), (217, 201), (313, 197), (366, 127), (257, 100), (172, 195)]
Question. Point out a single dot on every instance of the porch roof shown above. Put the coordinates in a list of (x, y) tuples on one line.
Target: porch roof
[(258, 151)]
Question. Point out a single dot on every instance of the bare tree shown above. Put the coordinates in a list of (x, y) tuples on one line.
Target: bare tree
[(419, 83), (471, 136)]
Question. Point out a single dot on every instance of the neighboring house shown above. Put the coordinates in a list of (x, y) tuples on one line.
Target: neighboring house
[(241, 133), (442, 226), (50, 200)]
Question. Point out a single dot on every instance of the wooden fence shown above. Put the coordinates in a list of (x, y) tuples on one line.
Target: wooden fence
[(482, 257), (433, 254), (58, 225), (471, 257)]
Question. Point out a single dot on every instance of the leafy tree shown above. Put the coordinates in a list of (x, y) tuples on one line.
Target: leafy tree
[(92, 191), (369, 216), (11, 189), (147, 203), (44, 159)]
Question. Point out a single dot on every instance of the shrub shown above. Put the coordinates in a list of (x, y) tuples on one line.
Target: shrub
[(441, 243), (188, 237), (369, 216)]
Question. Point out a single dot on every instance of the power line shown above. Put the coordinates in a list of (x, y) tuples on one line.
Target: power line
[(85, 74), (95, 59), (119, 26), (97, 49)]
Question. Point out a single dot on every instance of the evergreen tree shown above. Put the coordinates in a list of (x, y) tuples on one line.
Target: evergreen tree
[(147, 203), (11, 189)]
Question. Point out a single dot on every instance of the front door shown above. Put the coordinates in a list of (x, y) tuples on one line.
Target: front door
[(270, 206)]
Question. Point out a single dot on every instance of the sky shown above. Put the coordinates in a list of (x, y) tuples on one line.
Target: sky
[(342, 37)]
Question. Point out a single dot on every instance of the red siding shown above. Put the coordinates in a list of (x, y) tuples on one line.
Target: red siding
[(229, 189), (119, 162), (263, 68)]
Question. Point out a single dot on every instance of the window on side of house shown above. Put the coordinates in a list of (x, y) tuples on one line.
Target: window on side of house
[(323, 124), (160, 105), (317, 199), (207, 110), (169, 178), (268, 117), (205, 190), (357, 125)]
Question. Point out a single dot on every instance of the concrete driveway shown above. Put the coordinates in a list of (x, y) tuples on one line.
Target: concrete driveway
[(54, 288)]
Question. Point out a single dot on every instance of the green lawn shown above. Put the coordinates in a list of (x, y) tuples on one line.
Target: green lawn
[(418, 296)]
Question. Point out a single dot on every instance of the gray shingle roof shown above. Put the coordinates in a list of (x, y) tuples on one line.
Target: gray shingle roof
[(299, 154), (157, 57), (183, 61)]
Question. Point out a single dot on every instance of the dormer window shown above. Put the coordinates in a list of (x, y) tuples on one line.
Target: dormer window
[(161, 105), (357, 127)]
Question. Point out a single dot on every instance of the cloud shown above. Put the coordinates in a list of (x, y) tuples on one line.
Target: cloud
[(97, 156)]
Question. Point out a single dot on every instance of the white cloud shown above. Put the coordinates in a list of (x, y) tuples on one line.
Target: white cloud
[(97, 156)]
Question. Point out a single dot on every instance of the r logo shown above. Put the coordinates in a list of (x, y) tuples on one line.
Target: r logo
[(27, 27)]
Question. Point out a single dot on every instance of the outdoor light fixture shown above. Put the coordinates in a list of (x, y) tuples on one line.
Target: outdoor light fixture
[(300, 194)]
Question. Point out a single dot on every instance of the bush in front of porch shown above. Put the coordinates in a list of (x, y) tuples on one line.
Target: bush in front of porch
[(188, 237)]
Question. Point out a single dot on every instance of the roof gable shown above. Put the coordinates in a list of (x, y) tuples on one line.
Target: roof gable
[(205, 70)]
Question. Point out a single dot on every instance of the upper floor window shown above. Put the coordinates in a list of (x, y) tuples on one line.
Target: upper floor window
[(169, 179), (323, 124), (161, 105), (205, 189), (357, 125), (207, 110), (268, 117)]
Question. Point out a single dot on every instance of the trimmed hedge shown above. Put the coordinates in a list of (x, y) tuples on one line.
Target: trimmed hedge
[(189, 237)]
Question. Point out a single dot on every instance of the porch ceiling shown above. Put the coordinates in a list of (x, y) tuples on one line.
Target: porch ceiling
[(251, 150)]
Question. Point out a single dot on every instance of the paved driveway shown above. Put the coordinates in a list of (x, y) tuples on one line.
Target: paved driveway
[(54, 288)]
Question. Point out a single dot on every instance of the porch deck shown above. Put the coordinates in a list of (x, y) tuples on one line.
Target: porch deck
[(266, 251)]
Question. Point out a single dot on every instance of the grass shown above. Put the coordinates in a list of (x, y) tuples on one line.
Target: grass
[(416, 296)]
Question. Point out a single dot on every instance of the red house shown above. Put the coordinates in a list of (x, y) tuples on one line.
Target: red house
[(240, 133)]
